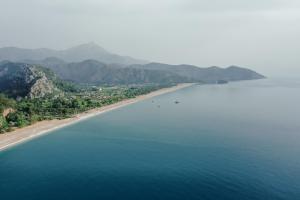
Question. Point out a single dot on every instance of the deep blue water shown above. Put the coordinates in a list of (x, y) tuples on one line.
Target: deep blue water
[(237, 141)]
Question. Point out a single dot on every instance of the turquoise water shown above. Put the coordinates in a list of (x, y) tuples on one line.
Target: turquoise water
[(237, 141)]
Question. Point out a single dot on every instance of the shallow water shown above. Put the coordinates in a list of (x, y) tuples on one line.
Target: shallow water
[(234, 141)]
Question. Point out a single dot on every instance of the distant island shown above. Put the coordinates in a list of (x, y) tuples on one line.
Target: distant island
[(45, 84)]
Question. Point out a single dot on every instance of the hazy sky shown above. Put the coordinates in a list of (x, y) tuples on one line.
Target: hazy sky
[(261, 34)]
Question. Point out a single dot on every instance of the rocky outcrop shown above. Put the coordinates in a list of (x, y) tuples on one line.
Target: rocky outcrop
[(40, 88), (24, 80)]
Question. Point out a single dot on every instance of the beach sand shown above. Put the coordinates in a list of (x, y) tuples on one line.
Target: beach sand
[(29, 132)]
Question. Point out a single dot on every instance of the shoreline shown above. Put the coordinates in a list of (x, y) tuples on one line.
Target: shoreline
[(27, 133)]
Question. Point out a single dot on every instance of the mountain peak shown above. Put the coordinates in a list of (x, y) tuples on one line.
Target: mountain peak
[(91, 46), (233, 67), (214, 67)]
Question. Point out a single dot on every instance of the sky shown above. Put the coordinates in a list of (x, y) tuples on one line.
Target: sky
[(263, 35)]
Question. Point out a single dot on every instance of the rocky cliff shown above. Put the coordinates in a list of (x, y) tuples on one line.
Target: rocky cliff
[(24, 80)]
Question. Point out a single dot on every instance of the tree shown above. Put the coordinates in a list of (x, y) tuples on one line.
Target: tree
[(3, 124), (17, 118)]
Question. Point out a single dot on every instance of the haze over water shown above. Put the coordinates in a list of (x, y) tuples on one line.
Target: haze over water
[(234, 141)]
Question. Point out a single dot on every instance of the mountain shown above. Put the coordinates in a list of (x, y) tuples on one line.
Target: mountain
[(91, 64), (206, 75), (74, 54), (39, 78), (95, 72), (19, 79)]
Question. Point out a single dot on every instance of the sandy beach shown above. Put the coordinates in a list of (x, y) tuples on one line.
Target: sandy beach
[(40, 128)]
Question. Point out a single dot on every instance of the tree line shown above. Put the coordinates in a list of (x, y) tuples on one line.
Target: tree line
[(28, 111)]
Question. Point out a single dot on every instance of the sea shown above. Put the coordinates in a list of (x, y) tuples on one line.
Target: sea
[(236, 141)]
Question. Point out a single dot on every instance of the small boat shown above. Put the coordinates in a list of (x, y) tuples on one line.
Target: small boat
[(176, 102)]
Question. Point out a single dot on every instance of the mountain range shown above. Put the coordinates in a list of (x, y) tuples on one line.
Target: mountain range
[(74, 54), (91, 64), (95, 72)]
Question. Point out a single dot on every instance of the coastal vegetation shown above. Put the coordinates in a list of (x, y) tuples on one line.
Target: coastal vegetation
[(27, 111)]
